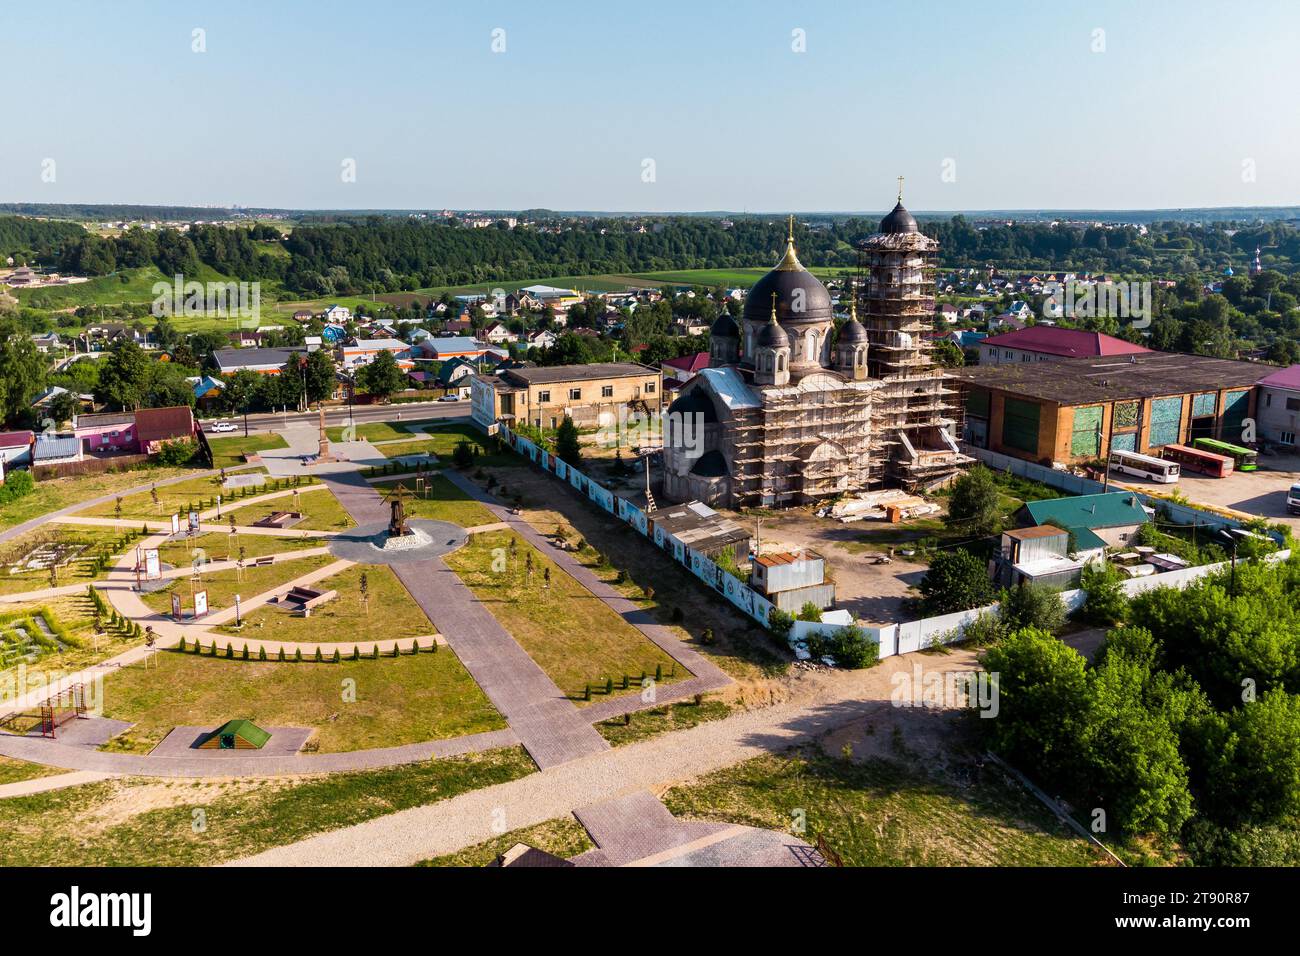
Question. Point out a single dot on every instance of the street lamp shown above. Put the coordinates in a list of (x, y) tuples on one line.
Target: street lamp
[(1233, 540)]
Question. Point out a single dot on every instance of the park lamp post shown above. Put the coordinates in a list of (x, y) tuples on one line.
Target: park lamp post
[(1234, 541)]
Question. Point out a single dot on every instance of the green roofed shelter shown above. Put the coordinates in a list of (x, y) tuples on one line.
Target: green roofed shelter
[(236, 735), (1097, 521)]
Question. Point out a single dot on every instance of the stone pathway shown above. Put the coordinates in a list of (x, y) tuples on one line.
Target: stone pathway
[(25, 788), (638, 830), (551, 728), (245, 764)]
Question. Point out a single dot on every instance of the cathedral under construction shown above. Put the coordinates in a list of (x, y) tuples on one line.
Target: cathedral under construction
[(791, 412)]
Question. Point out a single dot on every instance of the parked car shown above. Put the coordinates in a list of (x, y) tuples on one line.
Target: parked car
[(222, 427), (450, 398), (1293, 500)]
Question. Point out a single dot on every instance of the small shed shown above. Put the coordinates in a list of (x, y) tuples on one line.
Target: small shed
[(236, 735)]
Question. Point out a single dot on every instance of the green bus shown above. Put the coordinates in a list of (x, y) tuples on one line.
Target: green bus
[(1244, 458)]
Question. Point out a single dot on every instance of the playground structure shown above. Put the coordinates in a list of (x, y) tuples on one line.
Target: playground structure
[(65, 704)]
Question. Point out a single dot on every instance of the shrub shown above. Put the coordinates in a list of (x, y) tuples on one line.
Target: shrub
[(810, 612), (780, 624), (956, 581), (18, 484), (984, 630), (261, 653), (336, 657), (852, 649), (1031, 605), (1106, 603)]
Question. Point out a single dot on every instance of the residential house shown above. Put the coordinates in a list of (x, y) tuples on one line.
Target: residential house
[(365, 350), (55, 450), (155, 426), (263, 361), (105, 432), (540, 339), (456, 346), (497, 333), (455, 376), (338, 314), (1097, 522), (46, 342), (683, 368), (16, 448), (589, 394)]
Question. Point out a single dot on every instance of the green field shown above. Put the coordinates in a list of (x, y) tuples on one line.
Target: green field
[(882, 813), (147, 822), (441, 501), (57, 493), (392, 612), (229, 451), (401, 700), (222, 586), (570, 633), (320, 509)]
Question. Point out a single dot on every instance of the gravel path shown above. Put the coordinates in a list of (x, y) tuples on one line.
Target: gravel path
[(404, 838)]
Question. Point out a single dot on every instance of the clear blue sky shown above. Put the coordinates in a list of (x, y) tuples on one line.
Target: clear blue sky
[(711, 91)]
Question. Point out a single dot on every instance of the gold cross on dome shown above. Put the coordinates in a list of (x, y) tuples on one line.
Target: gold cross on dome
[(790, 234)]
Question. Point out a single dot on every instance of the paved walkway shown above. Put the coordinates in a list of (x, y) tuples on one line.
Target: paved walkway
[(551, 728), (25, 788), (706, 675), (638, 830), (244, 763)]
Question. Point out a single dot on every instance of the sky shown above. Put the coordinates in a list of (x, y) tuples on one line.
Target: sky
[(628, 105)]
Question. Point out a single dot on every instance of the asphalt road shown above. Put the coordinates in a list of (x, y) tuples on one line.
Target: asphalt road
[(339, 415)]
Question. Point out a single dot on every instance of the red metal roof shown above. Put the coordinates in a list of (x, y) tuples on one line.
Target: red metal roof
[(15, 439), (162, 424), (689, 363), (1284, 378), (1068, 343)]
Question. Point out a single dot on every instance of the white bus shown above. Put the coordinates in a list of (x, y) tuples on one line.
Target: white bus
[(1144, 466)]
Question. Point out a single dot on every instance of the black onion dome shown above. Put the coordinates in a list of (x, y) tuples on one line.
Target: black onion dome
[(784, 280), (852, 332), (772, 336), (694, 402), (725, 326), (898, 221)]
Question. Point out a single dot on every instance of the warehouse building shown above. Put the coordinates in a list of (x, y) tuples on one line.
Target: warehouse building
[(1082, 409)]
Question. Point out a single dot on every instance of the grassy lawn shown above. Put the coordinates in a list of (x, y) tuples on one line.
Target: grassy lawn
[(15, 771), (416, 446), (399, 700), (393, 612), (222, 586), (441, 501), (139, 822), (56, 493), (447, 437), (563, 837), (217, 546), (879, 813), (320, 509), (678, 600), (229, 452), (371, 431), (171, 499), (571, 635), (78, 570), (661, 720)]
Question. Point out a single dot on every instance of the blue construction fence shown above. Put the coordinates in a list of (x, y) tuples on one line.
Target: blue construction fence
[(725, 583)]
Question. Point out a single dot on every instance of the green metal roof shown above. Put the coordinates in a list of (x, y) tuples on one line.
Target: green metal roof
[(1080, 513), (246, 729)]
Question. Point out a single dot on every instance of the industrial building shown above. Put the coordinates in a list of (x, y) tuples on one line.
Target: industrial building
[(1079, 410)]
